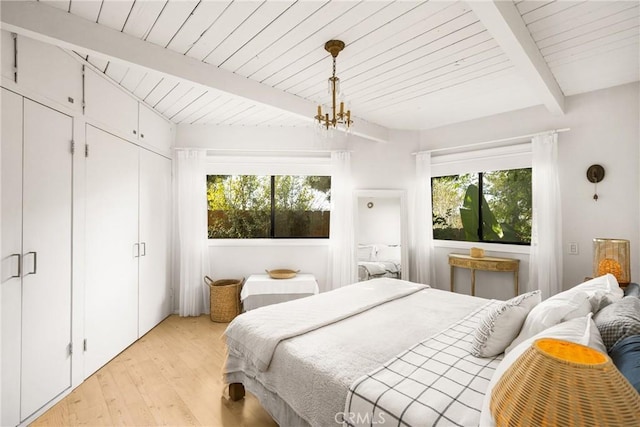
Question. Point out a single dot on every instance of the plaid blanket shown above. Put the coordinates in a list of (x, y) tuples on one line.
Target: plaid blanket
[(435, 383)]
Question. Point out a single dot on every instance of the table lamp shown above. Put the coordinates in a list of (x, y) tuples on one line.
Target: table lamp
[(560, 383), (612, 256)]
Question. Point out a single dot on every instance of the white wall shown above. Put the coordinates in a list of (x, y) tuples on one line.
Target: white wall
[(604, 130), (374, 166)]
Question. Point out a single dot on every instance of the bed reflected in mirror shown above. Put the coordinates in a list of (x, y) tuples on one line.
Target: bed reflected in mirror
[(380, 231)]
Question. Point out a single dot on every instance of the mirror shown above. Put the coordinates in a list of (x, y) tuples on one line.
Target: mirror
[(381, 234)]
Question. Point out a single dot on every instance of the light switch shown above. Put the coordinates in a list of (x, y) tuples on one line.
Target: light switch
[(573, 248)]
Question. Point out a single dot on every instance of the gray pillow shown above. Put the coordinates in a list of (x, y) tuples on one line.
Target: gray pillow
[(633, 290), (618, 320)]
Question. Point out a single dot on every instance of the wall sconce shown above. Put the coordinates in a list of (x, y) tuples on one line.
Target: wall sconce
[(612, 256), (595, 174)]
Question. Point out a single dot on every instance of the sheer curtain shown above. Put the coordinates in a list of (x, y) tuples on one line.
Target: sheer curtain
[(191, 257), (342, 260), (422, 221), (545, 261)]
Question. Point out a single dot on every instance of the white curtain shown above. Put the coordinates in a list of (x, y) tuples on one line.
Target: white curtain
[(342, 260), (191, 257), (423, 222), (545, 262)]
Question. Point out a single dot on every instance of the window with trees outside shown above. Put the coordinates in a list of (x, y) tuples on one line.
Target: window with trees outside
[(263, 206), (483, 207)]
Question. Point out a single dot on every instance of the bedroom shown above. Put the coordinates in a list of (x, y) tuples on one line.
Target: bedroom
[(604, 130)]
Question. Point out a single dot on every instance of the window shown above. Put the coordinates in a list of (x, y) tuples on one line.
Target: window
[(501, 215), (268, 206)]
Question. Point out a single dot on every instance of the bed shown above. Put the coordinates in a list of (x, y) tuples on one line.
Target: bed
[(337, 357), (379, 260)]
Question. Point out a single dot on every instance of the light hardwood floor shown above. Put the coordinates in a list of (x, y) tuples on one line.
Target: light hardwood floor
[(171, 376)]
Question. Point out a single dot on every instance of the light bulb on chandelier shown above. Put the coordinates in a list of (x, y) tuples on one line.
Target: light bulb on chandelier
[(336, 115)]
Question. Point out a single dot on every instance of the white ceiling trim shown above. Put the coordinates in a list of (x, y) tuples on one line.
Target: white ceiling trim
[(54, 26), (504, 23)]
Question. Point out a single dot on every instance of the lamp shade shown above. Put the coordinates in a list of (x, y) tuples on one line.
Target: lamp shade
[(612, 256), (560, 383)]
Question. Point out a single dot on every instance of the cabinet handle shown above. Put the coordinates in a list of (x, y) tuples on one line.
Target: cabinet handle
[(19, 265), (35, 262), (136, 250), (135, 132), (144, 249)]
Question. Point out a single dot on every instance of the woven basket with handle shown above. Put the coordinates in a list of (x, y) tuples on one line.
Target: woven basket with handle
[(224, 298)]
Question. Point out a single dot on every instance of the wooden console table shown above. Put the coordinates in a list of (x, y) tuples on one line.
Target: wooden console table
[(485, 263)]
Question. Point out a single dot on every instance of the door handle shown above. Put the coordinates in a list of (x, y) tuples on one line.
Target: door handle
[(19, 265), (35, 262), (144, 248), (136, 250)]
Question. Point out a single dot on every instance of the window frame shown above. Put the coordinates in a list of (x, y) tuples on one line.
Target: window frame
[(480, 230), (265, 163), (454, 160)]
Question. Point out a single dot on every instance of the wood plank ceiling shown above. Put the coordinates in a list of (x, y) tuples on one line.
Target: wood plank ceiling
[(407, 64)]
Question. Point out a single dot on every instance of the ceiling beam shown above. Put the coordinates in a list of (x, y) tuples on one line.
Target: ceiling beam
[(54, 26), (504, 23)]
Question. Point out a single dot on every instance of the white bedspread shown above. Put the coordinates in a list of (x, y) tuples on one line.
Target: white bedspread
[(312, 372), (256, 334), (437, 382)]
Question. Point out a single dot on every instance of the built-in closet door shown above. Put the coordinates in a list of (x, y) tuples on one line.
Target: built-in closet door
[(112, 249), (46, 262), (155, 210), (10, 272), (36, 256)]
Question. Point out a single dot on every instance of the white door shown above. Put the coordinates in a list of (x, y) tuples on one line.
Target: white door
[(46, 248), (155, 210), (11, 255), (155, 130), (49, 71), (119, 114), (112, 250)]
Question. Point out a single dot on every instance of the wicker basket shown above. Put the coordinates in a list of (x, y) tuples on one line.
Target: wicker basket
[(225, 298), (282, 273)]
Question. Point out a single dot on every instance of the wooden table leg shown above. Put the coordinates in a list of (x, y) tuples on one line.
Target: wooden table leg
[(516, 281), (451, 278), (236, 391), (473, 282)]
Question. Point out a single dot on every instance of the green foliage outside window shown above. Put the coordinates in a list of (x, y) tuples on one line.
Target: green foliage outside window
[(504, 209), (283, 206)]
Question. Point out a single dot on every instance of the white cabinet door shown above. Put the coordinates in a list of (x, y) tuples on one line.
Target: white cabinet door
[(111, 299), (154, 130), (7, 59), (11, 254), (155, 213), (110, 106), (49, 71), (46, 247)]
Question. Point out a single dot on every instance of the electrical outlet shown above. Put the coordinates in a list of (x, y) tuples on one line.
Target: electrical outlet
[(573, 248)]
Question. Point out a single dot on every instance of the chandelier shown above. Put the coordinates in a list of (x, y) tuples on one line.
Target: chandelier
[(337, 117)]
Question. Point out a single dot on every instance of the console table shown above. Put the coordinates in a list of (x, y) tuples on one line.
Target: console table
[(485, 263), (260, 289)]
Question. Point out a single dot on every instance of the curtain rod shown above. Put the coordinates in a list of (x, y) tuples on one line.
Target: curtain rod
[(492, 142), (253, 150)]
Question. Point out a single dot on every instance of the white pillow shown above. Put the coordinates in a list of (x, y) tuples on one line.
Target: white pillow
[(602, 291), (365, 253), (502, 323), (550, 312), (580, 330)]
